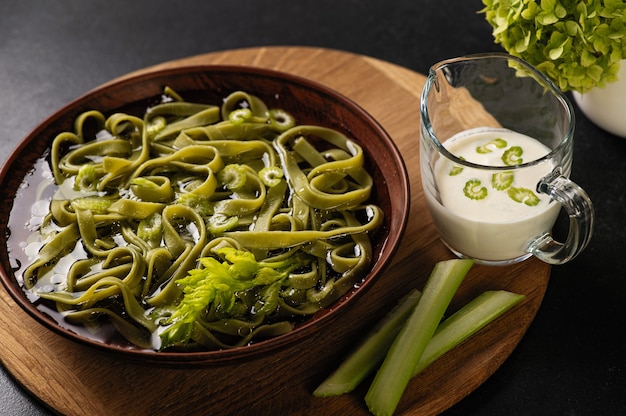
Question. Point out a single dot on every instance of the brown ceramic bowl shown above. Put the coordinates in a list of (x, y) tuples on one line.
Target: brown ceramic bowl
[(309, 102)]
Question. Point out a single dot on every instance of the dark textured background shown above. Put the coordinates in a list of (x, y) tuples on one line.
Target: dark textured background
[(571, 361)]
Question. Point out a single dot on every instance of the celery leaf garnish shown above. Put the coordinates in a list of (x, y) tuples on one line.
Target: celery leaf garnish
[(217, 283)]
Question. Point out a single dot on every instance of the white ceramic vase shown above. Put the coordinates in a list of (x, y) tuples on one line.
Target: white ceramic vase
[(606, 107)]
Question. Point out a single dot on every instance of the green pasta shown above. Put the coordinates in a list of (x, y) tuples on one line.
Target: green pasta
[(201, 227)]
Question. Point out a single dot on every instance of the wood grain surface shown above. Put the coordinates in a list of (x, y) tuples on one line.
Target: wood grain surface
[(75, 380)]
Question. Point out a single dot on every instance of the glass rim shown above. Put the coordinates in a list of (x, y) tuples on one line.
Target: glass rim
[(559, 95)]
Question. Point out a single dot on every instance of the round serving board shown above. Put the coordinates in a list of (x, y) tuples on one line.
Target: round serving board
[(73, 379)]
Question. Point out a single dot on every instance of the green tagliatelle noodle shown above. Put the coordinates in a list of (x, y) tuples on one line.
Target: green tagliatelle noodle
[(202, 227)]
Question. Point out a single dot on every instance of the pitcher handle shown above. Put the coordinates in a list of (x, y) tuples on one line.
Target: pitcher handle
[(578, 207)]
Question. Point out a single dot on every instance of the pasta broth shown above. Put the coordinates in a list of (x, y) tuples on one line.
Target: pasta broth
[(134, 221)]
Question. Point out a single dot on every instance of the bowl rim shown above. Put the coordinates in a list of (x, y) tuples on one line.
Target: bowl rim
[(389, 245)]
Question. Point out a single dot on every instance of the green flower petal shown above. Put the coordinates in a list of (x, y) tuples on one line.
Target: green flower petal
[(566, 34)]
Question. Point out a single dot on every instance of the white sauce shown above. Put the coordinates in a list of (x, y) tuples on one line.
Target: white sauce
[(495, 228)]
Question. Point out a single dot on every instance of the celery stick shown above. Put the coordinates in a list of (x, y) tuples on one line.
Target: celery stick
[(393, 376), (370, 353), (465, 322)]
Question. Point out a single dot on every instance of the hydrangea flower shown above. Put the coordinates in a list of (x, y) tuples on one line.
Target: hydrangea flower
[(577, 44)]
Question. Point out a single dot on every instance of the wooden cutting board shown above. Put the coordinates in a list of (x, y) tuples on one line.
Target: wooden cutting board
[(75, 380)]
